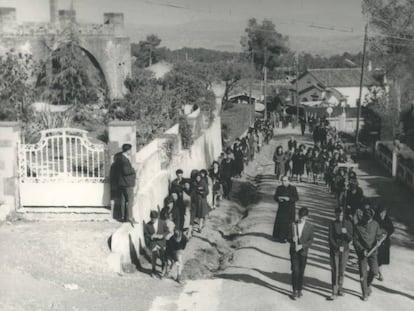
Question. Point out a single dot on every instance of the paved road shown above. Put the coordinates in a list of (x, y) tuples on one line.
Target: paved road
[(259, 276)]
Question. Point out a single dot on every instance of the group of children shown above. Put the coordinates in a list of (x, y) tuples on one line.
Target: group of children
[(191, 199)]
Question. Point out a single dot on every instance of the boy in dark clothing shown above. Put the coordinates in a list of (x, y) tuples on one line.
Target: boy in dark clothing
[(367, 233), (340, 235), (174, 253)]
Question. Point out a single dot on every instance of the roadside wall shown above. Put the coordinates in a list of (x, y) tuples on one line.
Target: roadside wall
[(389, 157), (157, 162), (344, 124), (9, 140)]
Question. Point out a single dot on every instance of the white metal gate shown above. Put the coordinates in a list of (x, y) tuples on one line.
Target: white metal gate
[(63, 169)]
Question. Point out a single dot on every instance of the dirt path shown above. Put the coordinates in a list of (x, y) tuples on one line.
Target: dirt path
[(259, 275)]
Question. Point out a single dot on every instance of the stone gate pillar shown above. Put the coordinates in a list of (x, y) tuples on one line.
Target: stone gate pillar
[(9, 185), (122, 132)]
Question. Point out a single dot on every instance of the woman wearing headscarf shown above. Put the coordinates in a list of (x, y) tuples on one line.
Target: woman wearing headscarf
[(280, 161), (387, 228), (199, 200)]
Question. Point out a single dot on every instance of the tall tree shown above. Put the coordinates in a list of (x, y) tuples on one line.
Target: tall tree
[(18, 75), (146, 51), (264, 43), (231, 73), (69, 80), (393, 47)]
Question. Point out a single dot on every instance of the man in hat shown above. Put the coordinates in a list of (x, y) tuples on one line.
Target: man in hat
[(367, 234), (155, 233), (340, 235), (126, 181)]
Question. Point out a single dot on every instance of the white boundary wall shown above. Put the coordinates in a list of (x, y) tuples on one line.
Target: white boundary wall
[(155, 171)]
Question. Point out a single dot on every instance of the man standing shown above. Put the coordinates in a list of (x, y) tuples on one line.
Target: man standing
[(367, 233), (300, 238), (340, 235), (286, 195), (126, 181), (302, 121)]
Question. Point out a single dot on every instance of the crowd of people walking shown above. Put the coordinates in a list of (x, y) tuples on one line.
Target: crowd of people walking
[(192, 198), (357, 220), (186, 209)]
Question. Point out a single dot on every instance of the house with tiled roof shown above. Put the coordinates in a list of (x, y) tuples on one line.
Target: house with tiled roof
[(332, 86)]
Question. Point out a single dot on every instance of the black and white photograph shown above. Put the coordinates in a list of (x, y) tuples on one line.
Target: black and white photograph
[(206, 155)]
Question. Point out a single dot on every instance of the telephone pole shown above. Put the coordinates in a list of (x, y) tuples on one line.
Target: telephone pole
[(252, 109), (297, 88), (265, 83), (361, 84)]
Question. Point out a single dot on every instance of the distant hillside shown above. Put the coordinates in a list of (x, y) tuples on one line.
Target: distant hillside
[(225, 36)]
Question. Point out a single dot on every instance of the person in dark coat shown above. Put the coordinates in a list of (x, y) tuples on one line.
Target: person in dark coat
[(292, 143), (316, 135), (387, 228), (308, 163), (302, 121), (317, 166), (354, 196), (279, 158), (199, 200), (340, 236), (171, 212), (226, 175), (286, 195), (367, 233), (298, 161), (126, 181), (177, 185), (300, 238), (215, 175), (155, 232), (238, 165)]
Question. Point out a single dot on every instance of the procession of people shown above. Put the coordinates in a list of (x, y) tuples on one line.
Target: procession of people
[(357, 221)]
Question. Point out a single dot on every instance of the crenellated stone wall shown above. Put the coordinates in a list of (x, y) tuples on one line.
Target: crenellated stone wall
[(105, 44)]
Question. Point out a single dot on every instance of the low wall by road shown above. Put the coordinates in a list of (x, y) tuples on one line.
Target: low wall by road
[(157, 162), (344, 124), (400, 168)]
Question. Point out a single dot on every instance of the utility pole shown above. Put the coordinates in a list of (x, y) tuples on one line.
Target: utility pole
[(361, 84), (297, 88), (252, 110), (265, 84)]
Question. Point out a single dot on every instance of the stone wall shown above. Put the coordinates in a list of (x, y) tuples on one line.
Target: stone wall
[(9, 139), (106, 44), (344, 124)]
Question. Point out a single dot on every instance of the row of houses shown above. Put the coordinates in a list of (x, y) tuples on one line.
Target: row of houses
[(327, 87)]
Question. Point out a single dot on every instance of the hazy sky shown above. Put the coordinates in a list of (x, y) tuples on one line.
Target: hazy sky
[(287, 14)]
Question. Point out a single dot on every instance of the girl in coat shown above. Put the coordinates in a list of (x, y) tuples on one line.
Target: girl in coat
[(199, 201), (280, 161), (388, 228)]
